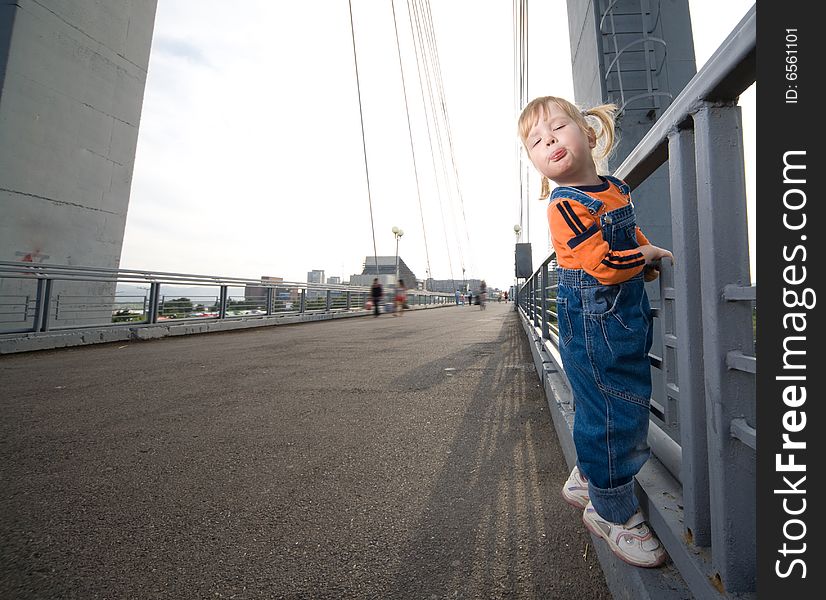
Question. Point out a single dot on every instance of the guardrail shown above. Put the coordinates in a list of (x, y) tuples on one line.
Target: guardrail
[(703, 407), (38, 298)]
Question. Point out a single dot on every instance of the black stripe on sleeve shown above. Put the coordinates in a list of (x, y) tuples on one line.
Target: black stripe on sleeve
[(568, 220), (615, 258), (632, 265), (573, 216), (578, 239)]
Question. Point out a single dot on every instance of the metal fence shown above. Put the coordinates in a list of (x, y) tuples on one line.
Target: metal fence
[(42, 298), (703, 406)]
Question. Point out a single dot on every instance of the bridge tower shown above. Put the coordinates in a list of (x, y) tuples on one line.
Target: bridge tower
[(72, 79)]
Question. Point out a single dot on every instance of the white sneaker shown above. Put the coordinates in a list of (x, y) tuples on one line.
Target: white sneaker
[(575, 490), (633, 541)]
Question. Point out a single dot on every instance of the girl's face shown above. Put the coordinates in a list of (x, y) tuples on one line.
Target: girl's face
[(561, 150)]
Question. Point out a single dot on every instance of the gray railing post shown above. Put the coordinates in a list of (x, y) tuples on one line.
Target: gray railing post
[(38, 304), (302, 301), (349, 300), (546, 334), (727, 327), (328, 301), (44, 298), (222, 302), (154, 298), (688, 328), (269, 300)]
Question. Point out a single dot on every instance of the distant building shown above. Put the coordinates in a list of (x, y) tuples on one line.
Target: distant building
[(451, 285), (334, 280), (258, 293), (385, 271), (315, 276)]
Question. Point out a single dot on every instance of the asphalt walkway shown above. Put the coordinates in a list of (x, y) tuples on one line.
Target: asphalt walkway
[(386, 457)]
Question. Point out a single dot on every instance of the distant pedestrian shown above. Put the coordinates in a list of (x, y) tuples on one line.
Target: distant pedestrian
[(401, 298), (483, 294), (469, 298), (376, 292), (458, 297)]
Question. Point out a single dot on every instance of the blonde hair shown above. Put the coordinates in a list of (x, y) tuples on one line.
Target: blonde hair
[(604, 114)]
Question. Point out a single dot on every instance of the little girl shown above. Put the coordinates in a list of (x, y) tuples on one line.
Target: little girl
[(604, 318)]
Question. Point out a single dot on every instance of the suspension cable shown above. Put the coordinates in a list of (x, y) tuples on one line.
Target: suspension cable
[(525, 100), (422, 81), (520, 44), (430, 72), (446, 117), (363, 141), (517, 100), (410, 134)]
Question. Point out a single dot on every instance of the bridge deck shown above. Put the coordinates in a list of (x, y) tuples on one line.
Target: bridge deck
[(407, 457)]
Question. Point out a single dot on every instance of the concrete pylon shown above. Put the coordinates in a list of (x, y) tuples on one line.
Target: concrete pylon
[(72, 79)]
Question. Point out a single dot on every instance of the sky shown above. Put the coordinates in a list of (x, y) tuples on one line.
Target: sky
[(251, 161)]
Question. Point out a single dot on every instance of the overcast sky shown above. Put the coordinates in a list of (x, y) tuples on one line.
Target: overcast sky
[(250, 160)]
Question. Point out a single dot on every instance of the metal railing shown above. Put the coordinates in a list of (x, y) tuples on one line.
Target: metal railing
[(703, 406), (37, 298)]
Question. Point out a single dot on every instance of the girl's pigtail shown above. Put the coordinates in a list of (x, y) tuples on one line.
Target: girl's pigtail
[(546, 189), (604, 113)]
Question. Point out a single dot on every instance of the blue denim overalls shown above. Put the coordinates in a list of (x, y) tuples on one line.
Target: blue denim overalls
[(605, 334)]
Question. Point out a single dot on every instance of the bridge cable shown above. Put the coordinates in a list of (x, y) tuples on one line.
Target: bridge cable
[(525, 101), (446, 117), (517, 100), (520, 41), (410, 134), (363, 141), (430, 69), (422, 82)]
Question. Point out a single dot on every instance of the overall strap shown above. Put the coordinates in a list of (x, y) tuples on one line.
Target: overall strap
[(624, 188), (571, 193)]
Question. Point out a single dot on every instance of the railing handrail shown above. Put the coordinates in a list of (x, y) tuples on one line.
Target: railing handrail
[(102, 274)]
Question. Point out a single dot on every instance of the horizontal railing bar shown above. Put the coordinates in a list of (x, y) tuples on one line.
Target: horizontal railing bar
[(670, 340), (744, 432), (666, 449), (741, 362), (734, 293), (657, 410), (672, 390)]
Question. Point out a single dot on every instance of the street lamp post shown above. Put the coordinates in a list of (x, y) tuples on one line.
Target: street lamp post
[(517, 229), (398, 232)]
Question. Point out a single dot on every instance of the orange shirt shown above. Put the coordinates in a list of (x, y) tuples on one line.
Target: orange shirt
[(577, 237)]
